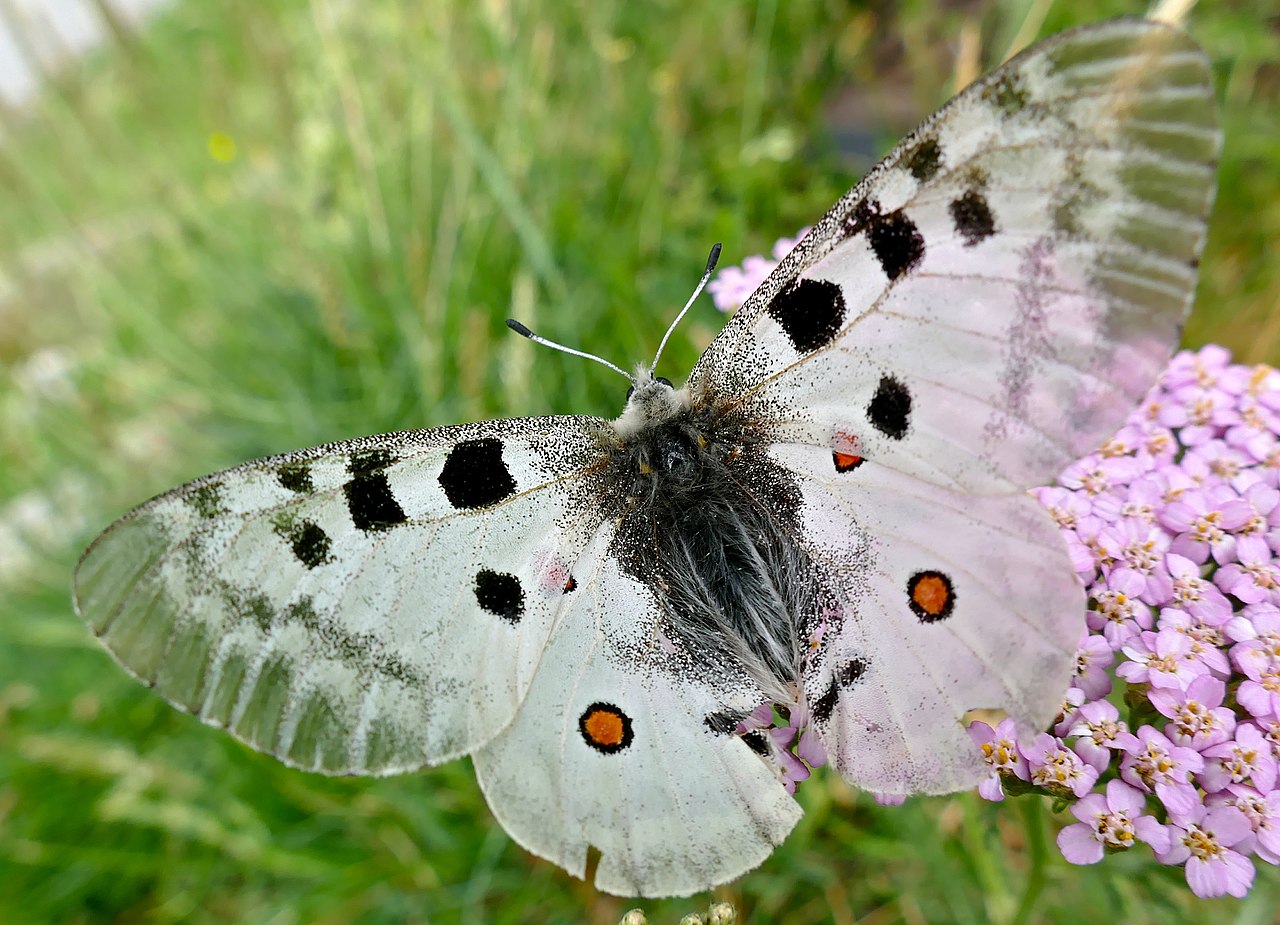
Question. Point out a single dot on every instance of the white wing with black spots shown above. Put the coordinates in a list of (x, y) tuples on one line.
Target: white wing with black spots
[(361, 607), (949, 602), (1008, 283), (626, 744)]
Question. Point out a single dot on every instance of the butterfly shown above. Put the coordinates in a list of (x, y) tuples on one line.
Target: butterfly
[(831, 516)]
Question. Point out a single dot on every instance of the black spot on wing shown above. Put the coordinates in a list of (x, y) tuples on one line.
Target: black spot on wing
[(368, 462), (309, 543), (724, 722), (851, 671), (475, 475), (924, 160), (897, 243), (846, 676), (810, 311), (824, 706), (972, 217), (372, 505), (894, 237), (756, 741), (890, 408), (296, 477), (500, 594)]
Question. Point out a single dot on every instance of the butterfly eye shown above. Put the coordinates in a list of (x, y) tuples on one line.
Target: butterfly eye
[(631, 390), (665, 381)]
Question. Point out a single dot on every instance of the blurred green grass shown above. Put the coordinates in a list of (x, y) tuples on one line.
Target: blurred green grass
[(256, 226)]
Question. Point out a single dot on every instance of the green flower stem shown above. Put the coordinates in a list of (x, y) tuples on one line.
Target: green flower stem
[(1033, 826)]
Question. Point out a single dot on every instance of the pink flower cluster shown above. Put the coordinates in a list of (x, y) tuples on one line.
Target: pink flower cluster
[(1170, 734), (1174, 527)]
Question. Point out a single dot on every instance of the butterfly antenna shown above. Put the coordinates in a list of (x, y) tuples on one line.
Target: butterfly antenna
[(712, 259), (537, 339)]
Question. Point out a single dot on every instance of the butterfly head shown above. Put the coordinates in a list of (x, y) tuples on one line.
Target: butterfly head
[(650, 401)]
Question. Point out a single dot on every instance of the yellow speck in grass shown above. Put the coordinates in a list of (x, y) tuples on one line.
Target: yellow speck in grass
[(222, 147)]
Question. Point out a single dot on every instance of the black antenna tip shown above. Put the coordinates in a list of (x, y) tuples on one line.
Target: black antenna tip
[(713, 258), (519, 328)]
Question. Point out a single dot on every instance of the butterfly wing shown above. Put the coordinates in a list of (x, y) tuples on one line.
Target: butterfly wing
[(983, 308), (364, 607), (993, 299), (626, 744), (950, 602)]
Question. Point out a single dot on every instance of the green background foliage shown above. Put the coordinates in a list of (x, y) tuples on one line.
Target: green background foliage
[(255, 226)]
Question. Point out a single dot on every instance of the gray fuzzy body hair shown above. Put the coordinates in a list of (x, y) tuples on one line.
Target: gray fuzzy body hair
[(708, 521)]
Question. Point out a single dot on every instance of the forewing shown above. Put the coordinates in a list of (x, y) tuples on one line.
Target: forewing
[(364, 607), (948, 602), (626, 743), (1008, 283)]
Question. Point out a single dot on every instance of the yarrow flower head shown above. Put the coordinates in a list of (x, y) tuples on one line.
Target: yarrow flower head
[(1179, 516), (1162, 659), (1000, 751), (1111, 822), (1153, 764), (1263, 813), (1170, 734), (1097, 727), (1058, 769), (1246, 759), (1198, 718), (1204, 839)]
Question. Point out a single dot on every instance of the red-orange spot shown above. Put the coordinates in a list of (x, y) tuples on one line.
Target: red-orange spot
[(570, 585), (931, 595), (605, 728), (845, 451), (846, 461)]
